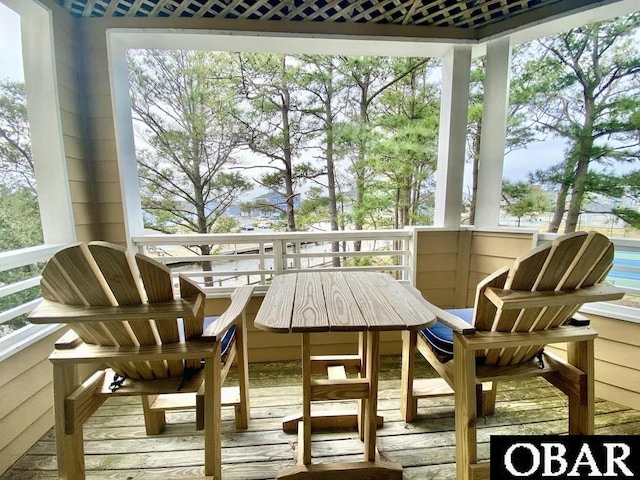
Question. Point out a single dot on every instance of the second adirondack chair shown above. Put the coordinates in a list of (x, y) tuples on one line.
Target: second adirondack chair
[(517, 312)]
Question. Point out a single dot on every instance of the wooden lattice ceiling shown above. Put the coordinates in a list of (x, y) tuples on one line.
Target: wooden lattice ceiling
[(473, 14)]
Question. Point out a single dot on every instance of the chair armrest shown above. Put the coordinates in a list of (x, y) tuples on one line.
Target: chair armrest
[(450, 320), (518, 299), (239, 300)]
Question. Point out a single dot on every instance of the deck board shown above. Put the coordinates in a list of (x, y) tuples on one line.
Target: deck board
[(117, 447)]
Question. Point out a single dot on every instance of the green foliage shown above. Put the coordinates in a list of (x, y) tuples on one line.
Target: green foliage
[(631, 183), (16, 161), (225, 225), (632, 217), (584, 89), (313, 209), (19, 213), (19, 227), (184, 103), (19, 219), (521, 201), (276, 127), (519, 132), (366, 261), (390, 136)]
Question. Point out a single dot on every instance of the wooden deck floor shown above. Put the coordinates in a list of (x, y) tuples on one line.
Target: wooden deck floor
[(117, 448)]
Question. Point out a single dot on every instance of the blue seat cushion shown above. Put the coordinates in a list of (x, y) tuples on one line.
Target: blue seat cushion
[(440, 337), (227, 337)]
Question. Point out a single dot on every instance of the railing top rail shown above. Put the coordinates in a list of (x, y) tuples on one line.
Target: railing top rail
[(26, 256), (261, 237)]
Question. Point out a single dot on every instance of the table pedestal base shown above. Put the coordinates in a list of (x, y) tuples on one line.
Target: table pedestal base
[(333, 420), (338, 387), (377, 470)]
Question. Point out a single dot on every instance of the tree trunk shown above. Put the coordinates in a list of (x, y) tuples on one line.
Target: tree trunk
[(331, 172), (206, 265), (583, 155), (202, 228), (577, 194), (360, 168), (288, 161), (558, 213)]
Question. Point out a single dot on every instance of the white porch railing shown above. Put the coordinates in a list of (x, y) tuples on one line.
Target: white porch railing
[(18, 259), (254, 258), (13, 339)]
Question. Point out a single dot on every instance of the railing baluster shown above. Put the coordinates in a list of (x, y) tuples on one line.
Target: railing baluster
[(261, 263), (279, 249)]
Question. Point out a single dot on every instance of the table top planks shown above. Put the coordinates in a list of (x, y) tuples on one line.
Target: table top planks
[(340, 301), (309, 309), (276, 311), (342, 309)]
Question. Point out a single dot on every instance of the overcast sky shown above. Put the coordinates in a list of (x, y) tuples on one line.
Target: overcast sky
[(10, 45)]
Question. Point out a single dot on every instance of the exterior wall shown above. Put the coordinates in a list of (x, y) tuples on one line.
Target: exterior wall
[(100, 138), (87, 127), (493, 250), (442, 262), (617, 364), (26, 399), (73, 123), (450, 264)]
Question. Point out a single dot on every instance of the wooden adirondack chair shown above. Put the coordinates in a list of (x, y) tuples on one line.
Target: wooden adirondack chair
[(123, 314), (517, 311)]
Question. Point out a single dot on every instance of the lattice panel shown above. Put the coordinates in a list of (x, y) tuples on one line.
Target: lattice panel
[(444, 13)]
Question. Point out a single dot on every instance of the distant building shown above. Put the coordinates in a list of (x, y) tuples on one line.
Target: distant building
[(232, 210)]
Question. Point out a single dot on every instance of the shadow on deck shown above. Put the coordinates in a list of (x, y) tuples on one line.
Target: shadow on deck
[(117, 447)]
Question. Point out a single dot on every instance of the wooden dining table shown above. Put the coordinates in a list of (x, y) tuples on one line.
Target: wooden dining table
[(340, 301)]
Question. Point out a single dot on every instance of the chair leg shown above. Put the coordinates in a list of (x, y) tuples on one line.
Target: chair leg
[(243, 409), (213, 415), (362, 353), (154, 421), (582, 405), (69, 447), (488, 404), (465, 408), (409, 404)]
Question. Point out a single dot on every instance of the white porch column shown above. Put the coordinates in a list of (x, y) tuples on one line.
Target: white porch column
[(43, 108), (452, 136), (494, 125), (125, 143)]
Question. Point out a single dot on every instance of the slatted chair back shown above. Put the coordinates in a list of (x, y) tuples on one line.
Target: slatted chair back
[(568, 264), (103, 274)]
